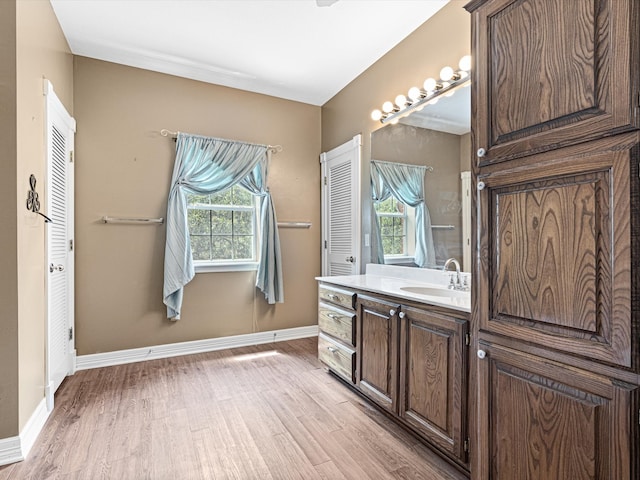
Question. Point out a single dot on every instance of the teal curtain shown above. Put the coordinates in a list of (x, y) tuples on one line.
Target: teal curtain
[(206, 165), (406, 184)]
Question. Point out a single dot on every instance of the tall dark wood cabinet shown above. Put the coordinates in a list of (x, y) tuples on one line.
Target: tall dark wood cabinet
[(556, 326)]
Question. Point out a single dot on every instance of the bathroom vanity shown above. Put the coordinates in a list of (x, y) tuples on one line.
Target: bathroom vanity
[(400, 337)]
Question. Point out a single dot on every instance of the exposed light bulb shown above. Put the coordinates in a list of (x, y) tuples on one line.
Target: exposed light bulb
[(394, 121), (430, 84), (376, 115), (414, 93), (401, 101), (387, 107), (465, 63), (446, 73)]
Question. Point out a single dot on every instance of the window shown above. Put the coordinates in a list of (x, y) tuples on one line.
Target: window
[(397, 228), (222, 228)]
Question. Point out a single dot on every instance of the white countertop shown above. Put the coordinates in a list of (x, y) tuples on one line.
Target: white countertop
[(392, 281)]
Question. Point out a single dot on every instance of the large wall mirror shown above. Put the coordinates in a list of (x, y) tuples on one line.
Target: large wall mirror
[(437, 136)]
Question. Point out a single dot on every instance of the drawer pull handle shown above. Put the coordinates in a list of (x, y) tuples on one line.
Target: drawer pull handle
[(333, 316), (334, 297), (392, 312), (401, 314), (332, 349)]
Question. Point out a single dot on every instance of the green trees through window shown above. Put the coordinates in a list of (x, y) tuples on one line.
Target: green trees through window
[(392, 216), (222, 226)]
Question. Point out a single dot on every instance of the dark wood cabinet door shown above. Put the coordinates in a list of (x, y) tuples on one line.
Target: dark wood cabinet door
[(433, 377), (553, 73), (541, 420), (377, 353), (556, 248)]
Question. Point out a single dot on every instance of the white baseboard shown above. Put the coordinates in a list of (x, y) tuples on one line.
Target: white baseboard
[(120, 357), (16, 449), (10, 450)]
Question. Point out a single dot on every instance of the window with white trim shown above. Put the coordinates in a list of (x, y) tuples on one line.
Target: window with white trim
[(397, 229), (223, 228)]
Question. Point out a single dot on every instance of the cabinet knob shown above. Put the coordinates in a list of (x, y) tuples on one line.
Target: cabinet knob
[(481, 185), (392, 312), (481, 152), (401, 314), (481, 354)]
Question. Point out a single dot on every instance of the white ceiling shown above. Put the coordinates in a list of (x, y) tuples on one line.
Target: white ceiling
[(293, 49)]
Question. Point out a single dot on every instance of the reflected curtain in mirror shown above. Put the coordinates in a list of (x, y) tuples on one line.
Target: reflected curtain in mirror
[(406, 184), (205, 166)]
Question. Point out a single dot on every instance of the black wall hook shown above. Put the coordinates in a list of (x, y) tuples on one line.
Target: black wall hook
[(33, 203)]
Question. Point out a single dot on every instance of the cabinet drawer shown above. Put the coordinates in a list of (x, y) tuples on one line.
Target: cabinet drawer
[(343, 298), (337, 323), (337, 357)]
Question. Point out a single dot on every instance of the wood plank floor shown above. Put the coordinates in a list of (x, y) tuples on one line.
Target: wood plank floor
[(264, 412)]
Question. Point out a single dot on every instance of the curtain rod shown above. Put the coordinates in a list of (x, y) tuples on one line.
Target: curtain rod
[(165, 133), (428, 167)]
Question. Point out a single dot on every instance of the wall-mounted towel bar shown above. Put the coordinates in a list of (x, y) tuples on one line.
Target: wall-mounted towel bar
[(294, 224), (157, 221), (443, 227)]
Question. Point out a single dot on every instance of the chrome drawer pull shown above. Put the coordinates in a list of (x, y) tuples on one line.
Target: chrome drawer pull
[(333, 316), (332, 349), (334, 297)]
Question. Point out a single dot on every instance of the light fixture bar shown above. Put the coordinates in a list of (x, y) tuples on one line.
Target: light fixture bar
[(424, 100)]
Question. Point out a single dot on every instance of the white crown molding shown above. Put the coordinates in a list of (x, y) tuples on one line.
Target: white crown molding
[(120, 357)]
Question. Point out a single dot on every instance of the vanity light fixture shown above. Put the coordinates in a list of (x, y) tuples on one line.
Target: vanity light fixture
[(432, 89)]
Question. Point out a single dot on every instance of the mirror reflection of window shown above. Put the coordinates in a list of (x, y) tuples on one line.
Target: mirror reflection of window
[(397, 229)]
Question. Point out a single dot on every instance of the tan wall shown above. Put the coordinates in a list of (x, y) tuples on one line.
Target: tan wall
[(441, 40), (123, 168), (42, 52), (8, 234)]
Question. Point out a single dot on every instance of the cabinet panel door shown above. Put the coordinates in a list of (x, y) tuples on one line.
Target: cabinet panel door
[(556, 253), (543, 420), (553, 73), (433, 377), (378, 350)]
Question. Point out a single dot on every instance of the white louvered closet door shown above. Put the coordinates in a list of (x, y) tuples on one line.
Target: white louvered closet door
[(60, 266), (341, 209)]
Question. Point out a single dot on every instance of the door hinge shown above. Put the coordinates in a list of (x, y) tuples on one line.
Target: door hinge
[(71, 245), (70, 333), (325, 244), (465, 445), (325, 180), (71, 156), (467, 339)]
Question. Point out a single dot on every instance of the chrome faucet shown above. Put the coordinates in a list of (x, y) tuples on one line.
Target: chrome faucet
[(454, 284)]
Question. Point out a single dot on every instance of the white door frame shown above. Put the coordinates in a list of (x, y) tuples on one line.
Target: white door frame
[(56, 115), (355, 146)]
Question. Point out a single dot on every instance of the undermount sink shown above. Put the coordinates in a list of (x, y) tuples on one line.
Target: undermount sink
[(435, 292)]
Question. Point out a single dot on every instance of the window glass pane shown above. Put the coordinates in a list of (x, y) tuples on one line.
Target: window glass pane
[(222, 198), (195, 199), (398, 246), (221, 222), (386, 226), (242, 223), (242, 197), (222, 247), (387, 244), (198, 222), (243, 248), (201, 247), (398, 227)]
